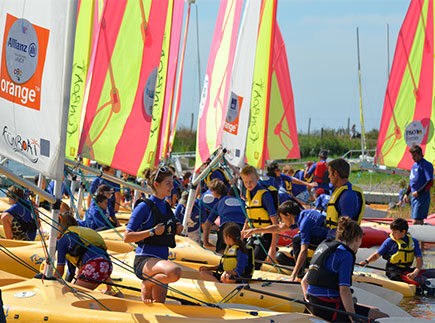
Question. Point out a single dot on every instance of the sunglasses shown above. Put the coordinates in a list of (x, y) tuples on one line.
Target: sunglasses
[(162, 170)]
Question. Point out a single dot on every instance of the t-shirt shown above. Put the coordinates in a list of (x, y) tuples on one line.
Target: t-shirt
[(97, 218), (229, 209), (207, 202), (242, 262), (310, 172), (311, 224), (193, 221), (142, 219), (348, 203), (390, 247), (298, 188), (68, 242), (266, 201), (283, 195), (421, 172), (322, 202), (267, 181), (50, 189), (99, 181), (284, 181), (22, 212), (341, 262)]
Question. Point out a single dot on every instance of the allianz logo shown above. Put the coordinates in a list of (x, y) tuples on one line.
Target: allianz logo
[(12, 42)]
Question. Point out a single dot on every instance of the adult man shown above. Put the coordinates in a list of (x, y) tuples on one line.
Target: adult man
[(420, 182), (319, 170), (346, 199)]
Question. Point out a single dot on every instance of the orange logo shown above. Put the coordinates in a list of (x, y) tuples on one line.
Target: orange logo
[(22, 62)]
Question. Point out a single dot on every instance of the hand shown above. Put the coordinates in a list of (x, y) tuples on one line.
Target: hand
[(203, 268), (415, 194), (159, 229), (247, 233), (313, 184), (293, 278), (363, 263), (405, 199), (412, 275), (179, 228), (227, 277)]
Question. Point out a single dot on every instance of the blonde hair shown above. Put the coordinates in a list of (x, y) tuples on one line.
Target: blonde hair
[(348, 230), (248, 170)]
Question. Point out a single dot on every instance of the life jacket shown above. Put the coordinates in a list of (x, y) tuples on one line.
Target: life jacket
[(167, 238), (87, 237), (208, 178), (404, 257), (331, 209), (28, 227), (229, 260), (321, 173), (317, 274), (257, 214), (308, 179)]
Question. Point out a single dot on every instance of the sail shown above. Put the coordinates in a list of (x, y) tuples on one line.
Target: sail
[(85, 31), (408, 112), (35, 73), (177, 21), (126, 85), (257, 131), (237, 118), (282, 136), (214, 97)]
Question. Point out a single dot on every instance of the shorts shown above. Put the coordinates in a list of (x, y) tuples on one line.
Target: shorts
[(17, 231), (99, 269), (334, 303), (139, 263), (420, 206)]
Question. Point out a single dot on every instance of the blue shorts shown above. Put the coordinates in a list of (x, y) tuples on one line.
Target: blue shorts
[(420, 206)]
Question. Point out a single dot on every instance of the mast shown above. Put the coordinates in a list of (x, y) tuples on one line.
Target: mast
[(363, 134)]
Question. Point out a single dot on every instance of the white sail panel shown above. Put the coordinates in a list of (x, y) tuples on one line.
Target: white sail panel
[(35, 73), (237, 119)]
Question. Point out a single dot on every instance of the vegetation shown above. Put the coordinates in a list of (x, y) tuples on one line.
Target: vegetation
[(185, 140)]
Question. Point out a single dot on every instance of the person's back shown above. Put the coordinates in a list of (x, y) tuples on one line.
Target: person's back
[(97, 216)]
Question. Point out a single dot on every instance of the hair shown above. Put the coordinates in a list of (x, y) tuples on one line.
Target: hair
[(103, 188), (348, 230), (288, 170), (66, 220), (323, 153), (187, 175), (271, 169), (232, 230), (100, 198), (233, 191), (217, 186), (399, 224), (289, 207), (16, 193), (150, 175), (249, 170), (341, 166), (106, 168), (64, 208), (416, 149)]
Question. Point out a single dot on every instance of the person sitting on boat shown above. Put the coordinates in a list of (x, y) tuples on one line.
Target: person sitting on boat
[(400, 249), (322, 200), (98, 217), (152, 226), (420, 182), (319, 171), (229, 209), (215, 172), (284, 180), (311, 232), (18, 221), (261, 211), (299, 191), (85, 249), (115, 199), (346, 199), (237, 261), (329, 276), (64, 190)]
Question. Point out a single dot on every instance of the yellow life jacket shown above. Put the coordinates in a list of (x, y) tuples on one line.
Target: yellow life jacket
[(257, 214), (308, 179), (229, 260), (87, 237), (331, 210), (208, 178), (404, 257)]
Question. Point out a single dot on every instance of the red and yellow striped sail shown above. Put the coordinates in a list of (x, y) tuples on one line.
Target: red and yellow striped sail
[(126, 92), (409, 99)]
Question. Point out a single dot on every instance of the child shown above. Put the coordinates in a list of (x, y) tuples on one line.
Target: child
[(400, 249), (237, 261)]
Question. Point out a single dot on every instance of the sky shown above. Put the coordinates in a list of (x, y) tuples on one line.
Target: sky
[(320, 37)]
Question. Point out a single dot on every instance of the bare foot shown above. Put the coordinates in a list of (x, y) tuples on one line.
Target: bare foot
[(147, 291)]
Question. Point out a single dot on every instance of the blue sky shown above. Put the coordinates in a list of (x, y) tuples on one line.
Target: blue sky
[(320, 37)]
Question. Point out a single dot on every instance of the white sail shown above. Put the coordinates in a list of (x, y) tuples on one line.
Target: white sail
[(34, 81), (237, 120)]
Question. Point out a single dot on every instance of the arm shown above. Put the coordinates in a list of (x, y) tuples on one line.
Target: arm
[(304, 285), (207, 228), (273, 228), (272, 249), (372, 258), (132, 236), (419, 265), (346, 298), (300, 261), (179, 228), (298, 181), (117, 201), (60, 269)]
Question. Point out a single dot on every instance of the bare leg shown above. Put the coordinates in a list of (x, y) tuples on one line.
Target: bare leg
[(374, 314), (7, 224), (207, 275)]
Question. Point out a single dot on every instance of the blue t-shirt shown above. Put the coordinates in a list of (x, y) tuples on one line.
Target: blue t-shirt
[(179, 212), (193, 222), (50, 189), (22, 212), (68, 242), (310, 172), (267, 181), (421, 172), (341, 262), (142, 219), (110, 211), (266, 201), (283, 195), (229, 209), (97, 218), (311, 224), (322, 202), (242, 262), (284, 181), (99, 181), (177, 187), (389, 247), (207, 202), (298, 188)]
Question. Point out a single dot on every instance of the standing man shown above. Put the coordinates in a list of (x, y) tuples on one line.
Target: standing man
[(319, 171), (420, 182), (346, 199)]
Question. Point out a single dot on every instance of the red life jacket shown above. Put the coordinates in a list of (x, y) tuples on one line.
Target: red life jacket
[(321, 174)]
